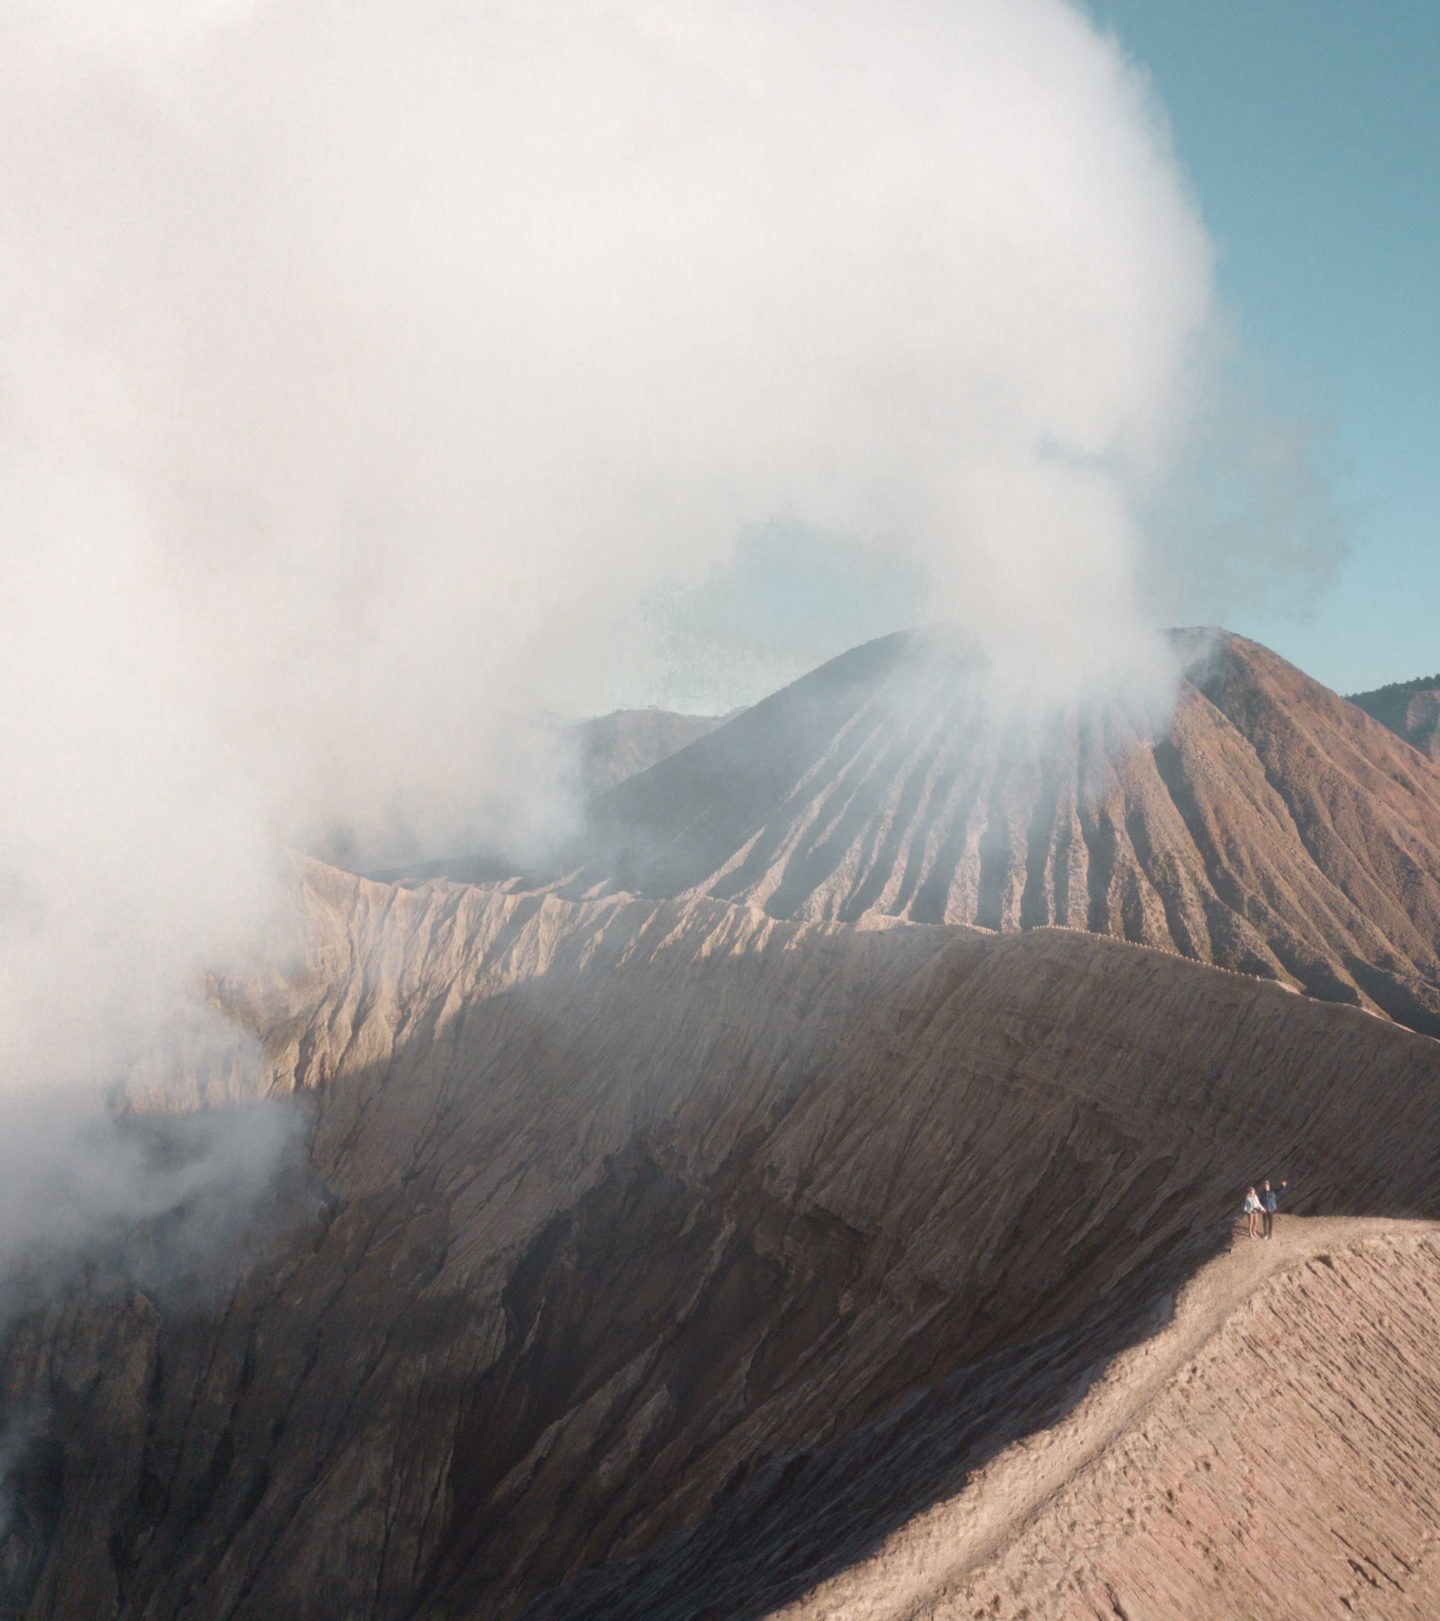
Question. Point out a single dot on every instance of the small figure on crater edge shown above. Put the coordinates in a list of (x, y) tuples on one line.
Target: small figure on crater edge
[(1270, 1199)]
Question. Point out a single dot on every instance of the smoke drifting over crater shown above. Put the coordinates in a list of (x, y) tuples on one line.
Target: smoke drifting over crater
[(366, 371)]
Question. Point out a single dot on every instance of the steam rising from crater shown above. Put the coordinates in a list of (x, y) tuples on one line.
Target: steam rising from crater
[(370, 373)]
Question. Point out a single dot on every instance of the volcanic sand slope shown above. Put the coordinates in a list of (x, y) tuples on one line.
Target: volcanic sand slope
[(1271, 1452), (666, 1257), (1268, 826)]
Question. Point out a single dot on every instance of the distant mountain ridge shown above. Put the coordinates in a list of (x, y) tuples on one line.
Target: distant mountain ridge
[(626, 742), (1411, 709), (597, 754), (1269, 826)]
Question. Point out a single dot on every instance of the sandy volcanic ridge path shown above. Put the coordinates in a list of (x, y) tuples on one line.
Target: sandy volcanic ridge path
[(1048, 1527)]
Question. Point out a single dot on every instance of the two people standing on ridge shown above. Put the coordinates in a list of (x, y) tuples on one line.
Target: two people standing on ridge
[(1261, 1207)]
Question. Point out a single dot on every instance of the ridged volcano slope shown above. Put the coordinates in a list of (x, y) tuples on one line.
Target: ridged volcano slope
[(1267, 826), (666, 1256)]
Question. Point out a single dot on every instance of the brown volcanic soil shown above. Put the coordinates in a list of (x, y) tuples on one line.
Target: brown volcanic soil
[(667, 1256), (1226, 1468), (1269, 826)]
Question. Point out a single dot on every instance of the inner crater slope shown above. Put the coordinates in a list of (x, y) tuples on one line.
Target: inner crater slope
[(664, 1256)]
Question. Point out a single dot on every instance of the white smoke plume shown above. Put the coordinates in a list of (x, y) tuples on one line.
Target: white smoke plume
[(369, 372)]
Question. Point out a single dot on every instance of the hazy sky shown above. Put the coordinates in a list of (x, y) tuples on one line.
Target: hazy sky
[(1310, 130)]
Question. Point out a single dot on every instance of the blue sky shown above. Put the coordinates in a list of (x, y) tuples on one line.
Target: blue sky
[(1310, 130)]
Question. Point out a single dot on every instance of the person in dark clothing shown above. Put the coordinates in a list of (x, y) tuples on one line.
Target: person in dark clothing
[(1270, 1199)]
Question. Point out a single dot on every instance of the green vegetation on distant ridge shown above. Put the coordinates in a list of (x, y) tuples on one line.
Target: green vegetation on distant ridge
[(1396, 689)]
